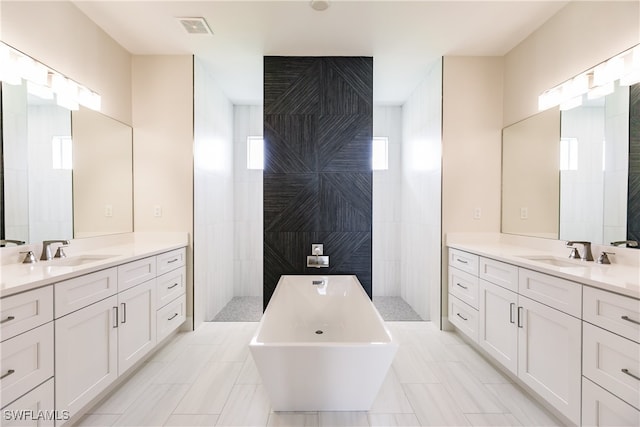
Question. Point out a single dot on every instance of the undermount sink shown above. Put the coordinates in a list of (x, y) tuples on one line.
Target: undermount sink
[(555, 261), (75, 261)]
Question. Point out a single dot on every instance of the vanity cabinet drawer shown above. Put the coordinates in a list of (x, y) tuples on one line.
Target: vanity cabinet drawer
[(560, 294), (171, 260), (499, 273), (136, 272), (464, 286), (464, 317), (27, 361), (602, 409), (613, 312), (170, 286), (170, 317), (612, 362), (463, 261), (74, 294), (38, 402), (22, 312)]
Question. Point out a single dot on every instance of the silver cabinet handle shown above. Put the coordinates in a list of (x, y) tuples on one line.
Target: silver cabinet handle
[(172, 261), (511, 306), (8, 319), (463, 287), (462, 261), (173, 286), (628, 319), (520, 317), (124, 312), (115, 317), (462, 317), (626, 371), (9, 372), (173, 317)]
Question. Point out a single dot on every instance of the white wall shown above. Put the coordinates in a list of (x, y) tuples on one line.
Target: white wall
[(213, 196), (420, 228), (163, 148), (247, 190)]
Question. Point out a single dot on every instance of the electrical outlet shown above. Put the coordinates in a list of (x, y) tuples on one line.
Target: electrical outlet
[(157, 211), (524, 213), (108, 210), (477, 213)]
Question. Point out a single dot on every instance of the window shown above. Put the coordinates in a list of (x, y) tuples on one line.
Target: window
[(569, 154), (380, 153), (62, 152), (255, 152)]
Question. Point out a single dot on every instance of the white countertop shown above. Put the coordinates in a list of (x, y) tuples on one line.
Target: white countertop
[(16, 277), (618, 278)]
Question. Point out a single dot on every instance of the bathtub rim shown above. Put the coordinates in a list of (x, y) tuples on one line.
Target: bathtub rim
[(303, 344)]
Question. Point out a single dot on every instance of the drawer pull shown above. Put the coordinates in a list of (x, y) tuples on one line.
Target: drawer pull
[(628, 319), (462, 317), (463, 287), (173, 286), (8, 319), (173, 317), (115, 317), (626, 371), (511, 306), (172, 261), (520, 317), (462, 261), (9, 372)]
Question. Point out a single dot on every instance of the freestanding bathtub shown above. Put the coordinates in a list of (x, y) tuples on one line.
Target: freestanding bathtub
[(321, 345)]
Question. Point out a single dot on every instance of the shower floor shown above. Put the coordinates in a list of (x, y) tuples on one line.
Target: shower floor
[(249, 309)]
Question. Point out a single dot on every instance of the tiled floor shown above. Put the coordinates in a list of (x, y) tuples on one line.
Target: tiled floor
[(208, 378)]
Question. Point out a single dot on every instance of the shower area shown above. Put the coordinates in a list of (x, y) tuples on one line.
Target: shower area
[(228, 194)]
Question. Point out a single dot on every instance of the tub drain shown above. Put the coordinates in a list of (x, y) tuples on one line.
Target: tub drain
[(319, 332)]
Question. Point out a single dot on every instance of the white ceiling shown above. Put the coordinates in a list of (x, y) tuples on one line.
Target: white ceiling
[(404, 37)]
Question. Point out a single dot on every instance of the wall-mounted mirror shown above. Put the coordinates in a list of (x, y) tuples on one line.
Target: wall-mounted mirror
[(65, 175), (566, 174)]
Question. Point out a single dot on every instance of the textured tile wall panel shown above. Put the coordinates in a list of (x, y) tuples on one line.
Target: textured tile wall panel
[(317, 179), (633, 201)]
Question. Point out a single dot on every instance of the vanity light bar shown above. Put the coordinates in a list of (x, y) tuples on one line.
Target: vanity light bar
[(596, 82), (43, 81)]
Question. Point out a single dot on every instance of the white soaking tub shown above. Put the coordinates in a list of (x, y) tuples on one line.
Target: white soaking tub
[(321, 345)]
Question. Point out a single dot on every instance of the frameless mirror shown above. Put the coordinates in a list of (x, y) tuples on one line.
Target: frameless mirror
[(565, 175), (63, 175)]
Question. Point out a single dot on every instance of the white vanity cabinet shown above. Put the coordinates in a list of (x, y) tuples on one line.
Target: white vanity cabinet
[(26, 350), (610, 359), (530, 332), (463, 292), (171, 292)]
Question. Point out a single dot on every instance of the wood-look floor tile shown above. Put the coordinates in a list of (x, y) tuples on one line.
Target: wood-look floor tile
[(249, 373), (393, 420), (97, 420), (343, 419), (493, 420), (186, 368), (411, 367), (478, 366), (154, 406), (293, 419), (391, 398), (210, 391), (523, 407), (248, 405), (191, 420), (434, 406)]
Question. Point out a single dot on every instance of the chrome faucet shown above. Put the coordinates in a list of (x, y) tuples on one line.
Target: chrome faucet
[(46, 248), (4, 242), (629, 243), (588, 256)]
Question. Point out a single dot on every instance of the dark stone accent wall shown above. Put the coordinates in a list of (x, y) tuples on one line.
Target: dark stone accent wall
[(318, 126), (633, 198)]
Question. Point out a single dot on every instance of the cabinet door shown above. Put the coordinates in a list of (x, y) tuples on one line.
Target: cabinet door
[(137, 323), (601, 408), (86, 354), (549, 355), (498, 330)]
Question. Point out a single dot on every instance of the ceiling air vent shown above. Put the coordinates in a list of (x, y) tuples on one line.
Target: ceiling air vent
[(195, 26)]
